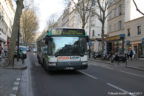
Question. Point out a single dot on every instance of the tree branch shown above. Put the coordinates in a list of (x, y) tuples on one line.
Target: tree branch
[(137, 8)]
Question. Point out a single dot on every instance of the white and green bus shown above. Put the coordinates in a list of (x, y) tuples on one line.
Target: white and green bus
[(63, 49)]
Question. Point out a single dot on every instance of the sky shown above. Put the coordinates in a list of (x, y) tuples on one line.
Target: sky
[(46, 8)]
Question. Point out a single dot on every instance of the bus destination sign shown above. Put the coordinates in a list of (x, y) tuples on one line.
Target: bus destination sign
[(68, 32)]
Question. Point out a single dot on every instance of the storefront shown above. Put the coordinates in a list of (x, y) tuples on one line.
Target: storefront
[(128, 45), (3, 38), (142, 47), (115, 44)]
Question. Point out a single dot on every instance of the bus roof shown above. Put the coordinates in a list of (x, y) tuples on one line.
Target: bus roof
[(63, 31)]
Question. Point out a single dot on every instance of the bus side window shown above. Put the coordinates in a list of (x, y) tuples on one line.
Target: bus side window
[(49, 49)]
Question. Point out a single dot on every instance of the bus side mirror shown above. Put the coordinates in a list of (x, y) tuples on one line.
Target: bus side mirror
[(87, 38), (47, 39)]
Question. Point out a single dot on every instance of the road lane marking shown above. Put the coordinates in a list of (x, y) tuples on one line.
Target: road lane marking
[(89, 75), (118, 88), (18, 79), (16, 83), (12, 95), (133, 74), (15, 88)]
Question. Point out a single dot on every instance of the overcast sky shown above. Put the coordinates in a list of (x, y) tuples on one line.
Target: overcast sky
[(45, 8)]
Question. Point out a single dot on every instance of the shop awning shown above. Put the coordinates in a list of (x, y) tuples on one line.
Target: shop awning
[(113, 38)]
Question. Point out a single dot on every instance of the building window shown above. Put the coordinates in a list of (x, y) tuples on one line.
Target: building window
[(138, 30), (128, 32), (115, 12), (115, 27), (93, 33), (120, 25), (110, 28), (93, 2), (110, 15), (120, 9)]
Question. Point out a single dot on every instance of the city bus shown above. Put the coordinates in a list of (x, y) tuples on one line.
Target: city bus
[(63, 49)]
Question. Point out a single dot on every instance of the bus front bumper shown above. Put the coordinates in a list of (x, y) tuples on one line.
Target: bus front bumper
[(68, 66)]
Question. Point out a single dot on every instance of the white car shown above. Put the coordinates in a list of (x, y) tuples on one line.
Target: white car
[(34, 50)]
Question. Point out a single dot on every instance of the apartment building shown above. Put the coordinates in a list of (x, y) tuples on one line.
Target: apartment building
[(116, 19), (93, 29), (120, 11), (6, 20), (134, 33)]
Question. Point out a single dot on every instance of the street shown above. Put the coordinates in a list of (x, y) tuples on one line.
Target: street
[(98, 80)]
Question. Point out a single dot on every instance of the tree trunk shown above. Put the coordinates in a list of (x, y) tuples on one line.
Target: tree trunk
[(102, 36), (83, 25), (15, 30)]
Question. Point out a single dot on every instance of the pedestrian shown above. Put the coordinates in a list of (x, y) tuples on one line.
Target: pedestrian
[(125, 52), (134, 54), (131, 54), (128, 54), (5, 50), (1, 51), (21, 56)]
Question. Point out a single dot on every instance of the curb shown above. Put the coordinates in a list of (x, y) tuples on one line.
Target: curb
[(135, 68), (16, 68), (110, 63)]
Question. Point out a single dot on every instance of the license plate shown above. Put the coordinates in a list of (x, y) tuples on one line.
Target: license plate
[(69, 68)]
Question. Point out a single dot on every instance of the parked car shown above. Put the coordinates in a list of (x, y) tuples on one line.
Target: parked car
[(24, 50)]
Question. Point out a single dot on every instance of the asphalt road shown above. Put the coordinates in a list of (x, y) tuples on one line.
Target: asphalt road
[(98, 80)]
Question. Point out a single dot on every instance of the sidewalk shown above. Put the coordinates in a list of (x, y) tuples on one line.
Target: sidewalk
[(18, 64), (134, 64), (10, 78)]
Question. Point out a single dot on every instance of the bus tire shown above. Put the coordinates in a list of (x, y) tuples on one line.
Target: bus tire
[(45, 66)]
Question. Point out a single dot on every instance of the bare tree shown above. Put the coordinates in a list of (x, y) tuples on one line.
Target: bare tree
[(15, 30), (51, 23), (84, 9), (102, 14), (29, 24), (138, 8)]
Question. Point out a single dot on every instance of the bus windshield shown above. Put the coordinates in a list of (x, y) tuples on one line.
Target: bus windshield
[(67, 46)]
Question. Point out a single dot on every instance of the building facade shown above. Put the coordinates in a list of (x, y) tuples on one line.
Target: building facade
[(115, 40), (120, 11), (134, 40), (6, 20)]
